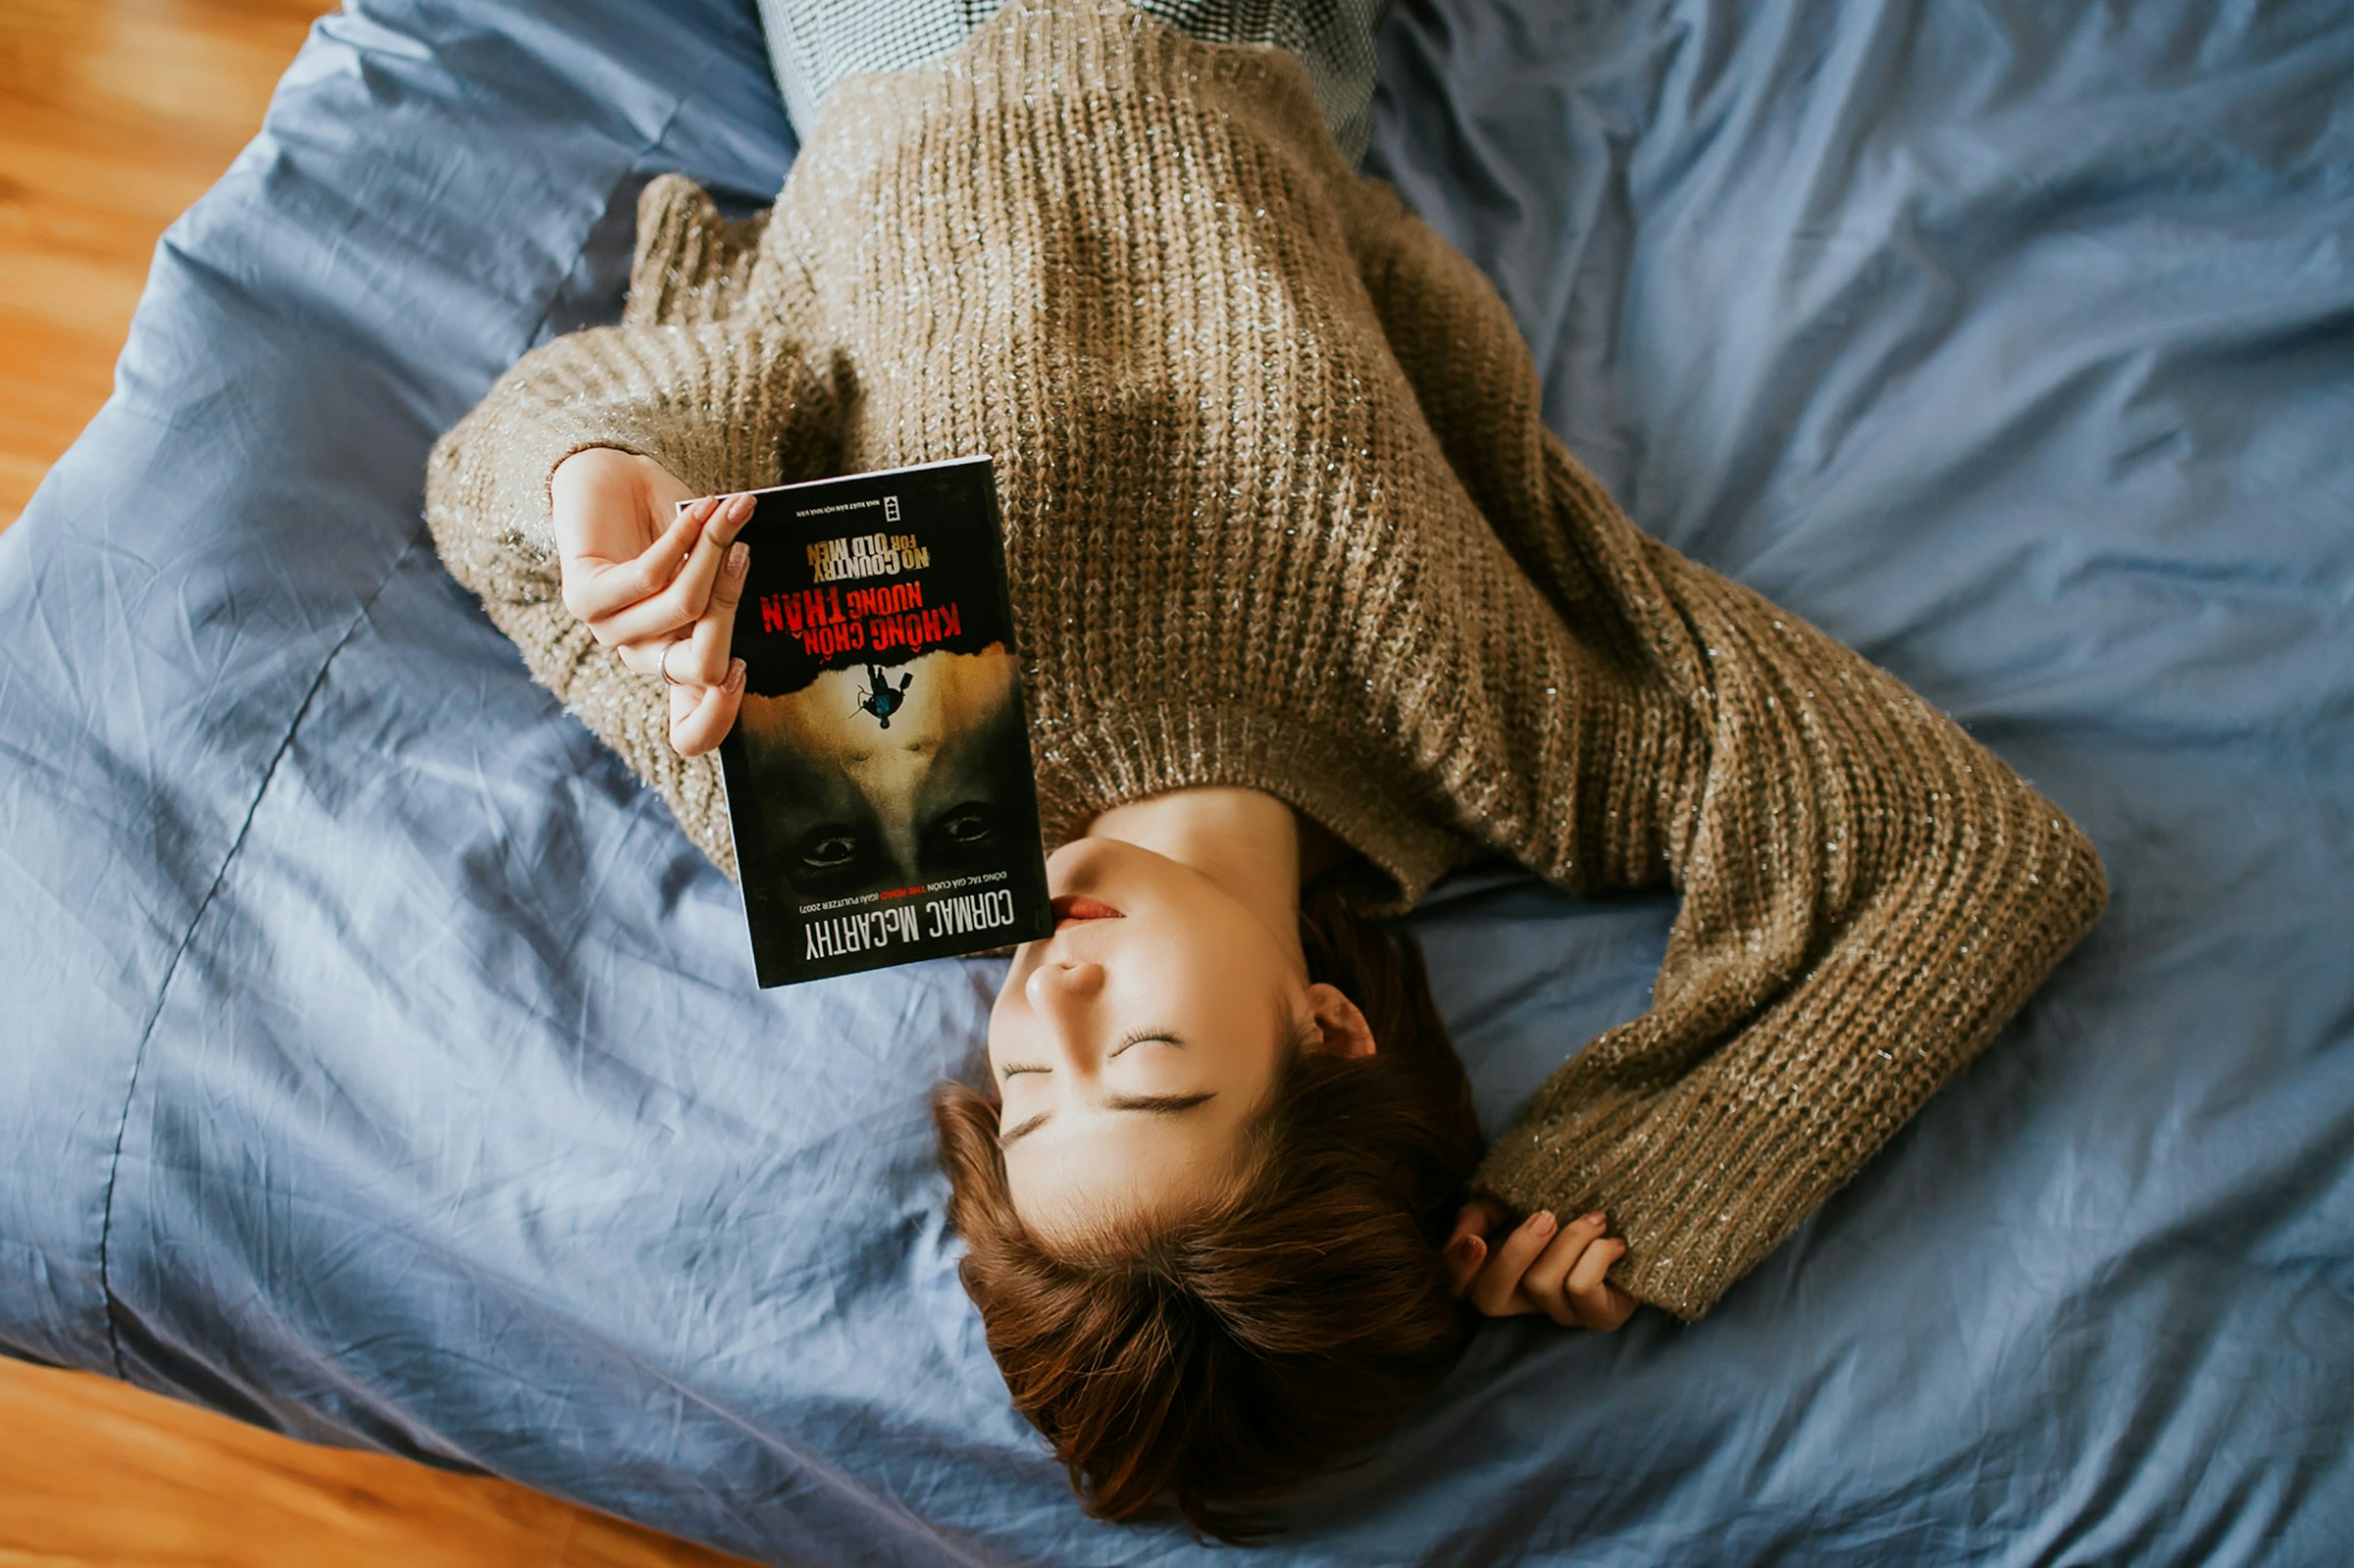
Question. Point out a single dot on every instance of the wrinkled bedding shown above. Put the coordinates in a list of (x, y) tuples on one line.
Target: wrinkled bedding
[(380, 1065)]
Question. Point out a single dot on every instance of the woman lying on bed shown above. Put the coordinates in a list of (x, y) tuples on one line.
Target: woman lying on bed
[(1314, 609)]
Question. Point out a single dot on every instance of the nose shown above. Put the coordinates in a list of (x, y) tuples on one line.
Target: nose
[(1064, 980), (1061, 992)]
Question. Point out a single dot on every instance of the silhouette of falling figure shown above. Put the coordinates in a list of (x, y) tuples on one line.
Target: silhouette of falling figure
[(880, 697)]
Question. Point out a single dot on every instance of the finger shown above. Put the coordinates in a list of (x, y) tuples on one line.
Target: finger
[(595, 588), (700, 719), (674, 608), (1593, 1262), (641, 616), (704, 661), (1477, 1217), (646, 658), (733, 513), (1467, 1243), (1544, 1282), (1499, 1280), (1483, 1215), (1462, 1258), (1592, 1297), (1618, 1306)]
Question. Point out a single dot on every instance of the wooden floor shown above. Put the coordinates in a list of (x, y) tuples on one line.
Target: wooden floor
[(92, 1472), (114, 115)]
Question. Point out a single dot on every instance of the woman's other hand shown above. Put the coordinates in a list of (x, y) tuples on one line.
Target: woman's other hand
[(656, 581), (1538, 1266)]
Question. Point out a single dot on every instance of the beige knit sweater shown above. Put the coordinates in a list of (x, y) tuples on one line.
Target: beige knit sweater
[(1280, 512)]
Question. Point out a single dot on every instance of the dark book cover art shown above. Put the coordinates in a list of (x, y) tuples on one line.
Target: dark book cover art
[(878, 774)]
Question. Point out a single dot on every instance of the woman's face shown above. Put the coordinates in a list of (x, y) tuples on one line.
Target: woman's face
[(1132, 1045)]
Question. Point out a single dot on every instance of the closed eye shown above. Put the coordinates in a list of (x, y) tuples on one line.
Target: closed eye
[(1141, 1037), (1152, 1104)]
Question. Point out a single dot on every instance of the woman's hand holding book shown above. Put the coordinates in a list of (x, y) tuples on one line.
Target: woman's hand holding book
[(656, 578)]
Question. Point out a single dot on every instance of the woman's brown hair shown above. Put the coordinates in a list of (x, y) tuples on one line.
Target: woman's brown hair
[(1213, 1364)]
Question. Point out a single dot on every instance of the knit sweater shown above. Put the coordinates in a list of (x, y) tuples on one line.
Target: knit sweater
[(1280, 512)]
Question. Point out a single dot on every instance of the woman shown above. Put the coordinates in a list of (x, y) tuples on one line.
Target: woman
[(1310, 600)]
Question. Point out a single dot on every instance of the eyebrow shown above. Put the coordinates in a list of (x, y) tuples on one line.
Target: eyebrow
[(1157, 1104)]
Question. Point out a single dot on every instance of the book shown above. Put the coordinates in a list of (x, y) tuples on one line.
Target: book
[(878, 774)]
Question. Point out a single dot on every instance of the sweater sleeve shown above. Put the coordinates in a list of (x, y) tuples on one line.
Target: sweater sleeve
[(1867, 894), (727, 396)]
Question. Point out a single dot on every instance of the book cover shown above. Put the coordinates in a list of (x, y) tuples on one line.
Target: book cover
[(878, 774)]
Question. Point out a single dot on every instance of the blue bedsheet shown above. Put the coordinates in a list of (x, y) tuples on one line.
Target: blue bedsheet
[(381, 1066)]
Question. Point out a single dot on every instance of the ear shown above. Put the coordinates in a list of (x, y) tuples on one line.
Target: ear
[(1341, 1029)]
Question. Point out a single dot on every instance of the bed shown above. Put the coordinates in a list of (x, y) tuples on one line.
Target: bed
[(381, 1066)]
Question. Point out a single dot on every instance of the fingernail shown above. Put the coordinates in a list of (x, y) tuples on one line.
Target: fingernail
[(739, 557), (735, 674), (1541, 1222), (1593, 1217), (740, 508)]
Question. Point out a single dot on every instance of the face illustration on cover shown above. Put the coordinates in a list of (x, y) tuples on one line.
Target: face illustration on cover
[(887, 776)]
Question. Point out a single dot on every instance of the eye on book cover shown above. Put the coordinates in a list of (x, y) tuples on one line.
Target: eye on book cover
[(878, 774)]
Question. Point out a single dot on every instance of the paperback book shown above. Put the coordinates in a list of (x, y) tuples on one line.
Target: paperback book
[(878, 775)]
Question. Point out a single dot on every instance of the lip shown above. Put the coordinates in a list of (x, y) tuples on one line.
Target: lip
[(1072, 909)]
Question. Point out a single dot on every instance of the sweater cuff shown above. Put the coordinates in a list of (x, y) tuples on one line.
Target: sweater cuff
[(1728, 1192)]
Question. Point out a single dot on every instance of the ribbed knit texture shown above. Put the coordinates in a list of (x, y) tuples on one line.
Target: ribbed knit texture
[(1281, 512), (815, 43)]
